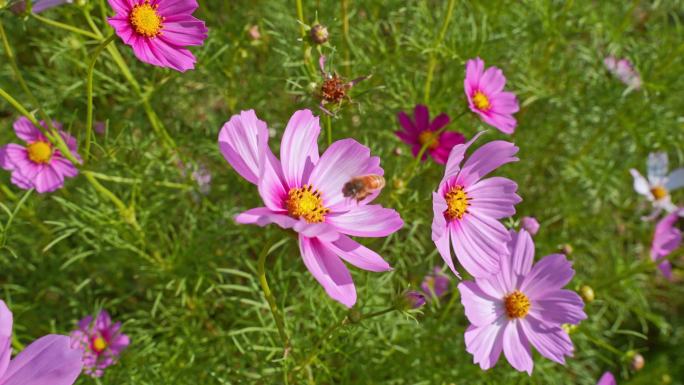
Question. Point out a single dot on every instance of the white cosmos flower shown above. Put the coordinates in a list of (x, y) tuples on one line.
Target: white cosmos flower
[(657, 187)]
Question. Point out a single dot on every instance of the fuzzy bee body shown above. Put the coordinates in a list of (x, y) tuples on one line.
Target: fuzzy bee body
[(360, 187)]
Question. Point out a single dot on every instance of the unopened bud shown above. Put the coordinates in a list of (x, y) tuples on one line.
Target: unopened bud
[(569, 328), (566, 249), (587, 293), (638, 362), (666, 379), (413, 299), (318, 34), (354, 315)]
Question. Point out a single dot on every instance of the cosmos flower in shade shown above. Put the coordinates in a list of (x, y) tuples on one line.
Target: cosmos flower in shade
[(530, 224), (522, 305), (607, 379), (39, 6), (101, 341), (159, 30), (38, 164), (420, 131), (666, 239), (467, 208), (659, 184), (303, 192), (435, 284), (486, 97), (623, 70), (414, 299), (48, 360)]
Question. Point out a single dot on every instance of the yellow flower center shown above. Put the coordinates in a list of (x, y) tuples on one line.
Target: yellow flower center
[(517, 304), (659, 192), (430, 138), (306, 202), (146, 20), (481, 101), (457, 203), (39, 152), (99, 344)]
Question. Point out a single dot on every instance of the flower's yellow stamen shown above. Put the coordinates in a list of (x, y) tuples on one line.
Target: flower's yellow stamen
[(306, 202), (517, 304), (481, 101), (659, 192), (146, 20), (39, 152), (99, 344), (430, 138), (457, 203)]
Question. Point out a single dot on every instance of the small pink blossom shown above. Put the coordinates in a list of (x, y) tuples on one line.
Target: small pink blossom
[(607, 379), (435, 284), (666, 239), (419, 131), (530, 224), (486, 97), (101, 341), (624, 70)]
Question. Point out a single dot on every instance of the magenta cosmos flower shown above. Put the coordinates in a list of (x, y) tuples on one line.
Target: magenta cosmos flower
[(158, 30), (101, 341), (435, 284), (38, 164), (666, 239), (467, 208), (607, 379), (420, 131), (303, 192), (48, 360), (486, 97), (522, 305)]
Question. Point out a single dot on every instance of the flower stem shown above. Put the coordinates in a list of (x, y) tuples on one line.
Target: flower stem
[(63, 26), (433, 57), (127, 214), (300, 16), (89, 119), (270, 298), (328, 124), (319, 343), (345, 34)]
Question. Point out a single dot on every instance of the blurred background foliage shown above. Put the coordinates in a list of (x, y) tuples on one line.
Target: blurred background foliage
[(184, 282)]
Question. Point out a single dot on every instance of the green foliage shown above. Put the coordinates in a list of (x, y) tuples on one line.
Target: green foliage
[(183, 276)]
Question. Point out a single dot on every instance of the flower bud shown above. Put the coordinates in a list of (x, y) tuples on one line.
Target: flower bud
[(354, 315), (566, 249), (587, 293), (413, 299), (638, 362), (318, 34)]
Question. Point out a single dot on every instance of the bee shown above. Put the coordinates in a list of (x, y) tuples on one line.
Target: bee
[(360, 187)]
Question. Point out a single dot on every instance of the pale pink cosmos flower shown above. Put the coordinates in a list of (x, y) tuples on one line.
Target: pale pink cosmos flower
[(303, 192), (159, 30), (435, 284), (659, 184), (624, 70), (48, 360), (486, 97), (38, 164), (521, 306), (420, 131), (101, 341), (530, 224), (607, 379), (666, 239), (467, 208)]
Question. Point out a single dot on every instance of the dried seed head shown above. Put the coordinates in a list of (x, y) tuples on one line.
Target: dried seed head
[(318, 34)]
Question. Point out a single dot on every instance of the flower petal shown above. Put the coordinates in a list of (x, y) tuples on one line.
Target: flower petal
[(558, 307), (486, 159), (26, 131), (184, 31), (607, 379), (456, 156), (367, 221), (358, 255), (6, 321), (516, 264), (641, 185), (239, 143), (549, 274), (493, 197), (485, 343), (551, 342), (480, 308), (48, 180), (50, 360), (516, 348), (406, 122), (675, 180), (328, 270), (121, 6), (421, 115), (299, 148)]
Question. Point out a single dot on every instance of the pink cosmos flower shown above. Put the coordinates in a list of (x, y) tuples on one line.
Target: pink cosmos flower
[(303, 192), (607, 379), (659, 184), (158, 30), (666, 239), (435, 284), (486, 97), (101, 341), (467, 208), (623, 70), (48, 360), (530, 224), (420, 131), (38, 164), (522, 305)]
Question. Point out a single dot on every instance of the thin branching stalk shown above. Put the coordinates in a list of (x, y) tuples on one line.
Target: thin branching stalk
[(433, 54), (65, 27), (345, 36), (89, 118), (328, 128)]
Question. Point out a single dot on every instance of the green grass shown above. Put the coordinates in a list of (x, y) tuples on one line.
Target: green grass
[(184, 283)]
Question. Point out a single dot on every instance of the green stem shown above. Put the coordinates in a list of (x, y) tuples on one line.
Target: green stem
[(270, 298), (319, 343), (377, 313), (21, 109), (433, 56), (89, 118), (300, 16), (122, 180), (126, 213), (63, 26), (345, 34), (328, 125)]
